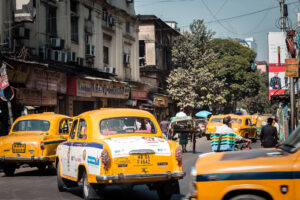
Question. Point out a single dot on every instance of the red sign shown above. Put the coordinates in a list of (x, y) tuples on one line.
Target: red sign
[(3, 77), (138, 94)]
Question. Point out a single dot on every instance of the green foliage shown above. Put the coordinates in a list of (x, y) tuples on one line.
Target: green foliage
[(210, 72)]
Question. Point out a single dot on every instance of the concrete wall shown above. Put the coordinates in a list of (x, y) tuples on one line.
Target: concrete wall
[(117, 33)]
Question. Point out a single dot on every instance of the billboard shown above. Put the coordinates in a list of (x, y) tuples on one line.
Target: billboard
[(278, 83), (277, 48)]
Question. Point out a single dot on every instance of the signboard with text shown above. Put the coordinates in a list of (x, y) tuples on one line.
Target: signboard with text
[(138, 94), (291, 67), (109, 89), (278, 83), (31, 97), (160, 101), (23, 10), (84, 88)]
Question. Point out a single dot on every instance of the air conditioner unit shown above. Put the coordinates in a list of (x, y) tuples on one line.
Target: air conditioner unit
[(126, 58), (71, 57), (56, 55), (44, 52), (129, 1), (89, 50), (111, 21), (22, 32), (80, 61), (57, 42), (111, 70)]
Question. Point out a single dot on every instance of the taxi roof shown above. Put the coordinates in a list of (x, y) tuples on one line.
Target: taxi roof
[(42, 116), (115, 112)]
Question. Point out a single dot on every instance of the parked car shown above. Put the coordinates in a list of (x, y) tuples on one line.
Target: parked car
[(118, 147), (201, 126), (213, 123), (33, 140), (258, 174)]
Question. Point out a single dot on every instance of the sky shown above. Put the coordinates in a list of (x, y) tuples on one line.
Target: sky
[(215, 13)]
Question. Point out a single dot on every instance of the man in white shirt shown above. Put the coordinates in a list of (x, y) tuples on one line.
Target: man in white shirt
[(181, 113)]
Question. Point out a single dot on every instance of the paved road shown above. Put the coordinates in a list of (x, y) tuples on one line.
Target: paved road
[(28, 183)]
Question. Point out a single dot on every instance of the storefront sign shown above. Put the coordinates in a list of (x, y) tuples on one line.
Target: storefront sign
[(47, 80), (84, 88), (291, 67), (19, 74), (36, 98), (138, 94), (109, 89), (160, 101)]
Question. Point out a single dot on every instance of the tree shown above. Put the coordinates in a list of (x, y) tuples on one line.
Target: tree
[(233, 65)]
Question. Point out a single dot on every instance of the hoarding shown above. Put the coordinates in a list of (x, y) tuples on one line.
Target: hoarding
[(278, 83), (275, 40)]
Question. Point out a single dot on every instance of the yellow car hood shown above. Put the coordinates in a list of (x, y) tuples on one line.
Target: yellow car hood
[(247, 161)]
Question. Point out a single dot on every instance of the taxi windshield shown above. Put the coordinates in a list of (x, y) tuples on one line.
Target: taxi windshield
[(31, 125), (125, 125), (216, 120), (292, 144)]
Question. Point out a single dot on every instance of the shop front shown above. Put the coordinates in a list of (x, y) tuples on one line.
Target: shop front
[(139, 99)]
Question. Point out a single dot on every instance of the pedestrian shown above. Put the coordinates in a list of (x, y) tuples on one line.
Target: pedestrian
[(226, 130), (181, 113), (268, 136), (276, 125), (164, 126)]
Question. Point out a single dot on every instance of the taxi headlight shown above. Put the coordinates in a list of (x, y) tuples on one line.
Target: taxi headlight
[(192, 184)]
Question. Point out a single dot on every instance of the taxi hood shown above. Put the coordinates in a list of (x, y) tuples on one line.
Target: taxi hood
[(238, 160), (124, 146)]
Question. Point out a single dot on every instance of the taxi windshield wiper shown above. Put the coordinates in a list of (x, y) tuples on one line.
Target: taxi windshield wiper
[(289, 145)]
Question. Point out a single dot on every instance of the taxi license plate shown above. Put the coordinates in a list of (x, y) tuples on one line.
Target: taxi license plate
[(18, 148), (142, 159)]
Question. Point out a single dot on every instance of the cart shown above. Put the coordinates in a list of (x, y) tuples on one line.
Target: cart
[(184, 125)]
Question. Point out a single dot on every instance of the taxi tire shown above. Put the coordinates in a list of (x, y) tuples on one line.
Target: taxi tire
[(62, 187), (9, 169), (167, 189), (88, 190), (208, 136), (247, 197)]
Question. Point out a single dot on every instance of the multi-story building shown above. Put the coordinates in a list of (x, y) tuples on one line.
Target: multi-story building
[(155, 45), (69, 56)]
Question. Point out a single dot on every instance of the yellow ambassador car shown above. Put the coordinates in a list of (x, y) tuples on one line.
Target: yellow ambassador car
[(260, 174), (33, 140), (118, 146), (213, 123)]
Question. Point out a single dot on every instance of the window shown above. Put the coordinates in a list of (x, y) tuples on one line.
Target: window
[(82, 130), (248, 122), (105, 55), (216, 120), (74, 29), (236, 121), (126, 125), (64, 126), (104, 14), (90, 14), (73, 6), (73, 130), (51, 27), (32, 125), (127, 27)]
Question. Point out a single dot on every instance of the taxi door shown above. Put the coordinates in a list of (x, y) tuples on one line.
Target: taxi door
[(66, 154), (297, 175), (78, 144)]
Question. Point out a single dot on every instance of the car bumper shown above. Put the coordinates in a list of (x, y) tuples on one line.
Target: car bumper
[(120, 177), (24, 159)]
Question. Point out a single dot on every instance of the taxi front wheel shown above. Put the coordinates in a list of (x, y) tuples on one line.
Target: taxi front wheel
[(90, 191), (247, 197), (9, 169), (167, 189)]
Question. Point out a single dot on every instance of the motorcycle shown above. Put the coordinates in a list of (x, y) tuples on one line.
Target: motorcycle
[(242, 145)]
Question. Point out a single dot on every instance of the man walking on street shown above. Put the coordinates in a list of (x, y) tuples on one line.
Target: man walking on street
[(268, 136)]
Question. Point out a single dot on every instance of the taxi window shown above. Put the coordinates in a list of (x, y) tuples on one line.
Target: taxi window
[(82, 130), (64, 126), (73, 130), (236, 121), (216, 120), (31, 125), (126, 125), (248, 122)]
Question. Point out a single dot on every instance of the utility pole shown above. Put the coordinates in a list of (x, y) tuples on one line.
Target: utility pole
[(283, 15)]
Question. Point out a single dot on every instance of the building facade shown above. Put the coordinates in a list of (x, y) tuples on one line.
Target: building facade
[(69, 56), (155, 44)]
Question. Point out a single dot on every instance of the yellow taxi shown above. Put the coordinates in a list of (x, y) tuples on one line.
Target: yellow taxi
[(213, 123), (118, 146), (242, 125), (260, 174), (33, 140)]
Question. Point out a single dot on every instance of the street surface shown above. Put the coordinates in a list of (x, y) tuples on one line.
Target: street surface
[(28, 183)]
